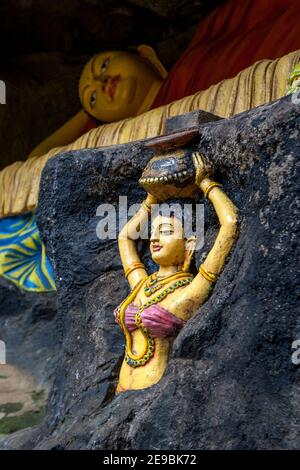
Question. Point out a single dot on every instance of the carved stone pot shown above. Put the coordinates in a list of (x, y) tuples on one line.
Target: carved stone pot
[(171, 172)]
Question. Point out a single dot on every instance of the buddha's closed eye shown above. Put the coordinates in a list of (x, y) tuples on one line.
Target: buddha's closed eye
[(105, 65), (93, 99)]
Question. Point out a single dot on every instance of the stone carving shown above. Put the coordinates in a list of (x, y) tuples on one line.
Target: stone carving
[(230, 366), (160, 304)]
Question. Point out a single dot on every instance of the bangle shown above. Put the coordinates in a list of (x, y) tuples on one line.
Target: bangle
[(146, 207), (211, 277), (211, 185), (133, 267)]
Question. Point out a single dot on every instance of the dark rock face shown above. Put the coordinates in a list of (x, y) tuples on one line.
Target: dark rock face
[(41, 95), (230, 383), (28, 329), (27, 326), (82, 26)]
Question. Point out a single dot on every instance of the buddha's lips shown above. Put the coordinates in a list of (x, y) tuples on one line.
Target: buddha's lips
[(113, 85)]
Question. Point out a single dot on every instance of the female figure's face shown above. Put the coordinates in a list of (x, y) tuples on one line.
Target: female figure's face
[(167, 243), (115, 84)]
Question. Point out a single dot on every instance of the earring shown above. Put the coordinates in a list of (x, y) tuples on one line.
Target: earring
[(187, 261), (186, 265)]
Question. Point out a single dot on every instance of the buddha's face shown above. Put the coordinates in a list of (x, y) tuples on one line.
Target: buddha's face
[(167, 243), (115, 84)]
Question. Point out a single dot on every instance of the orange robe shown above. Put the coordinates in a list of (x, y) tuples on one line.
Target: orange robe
[(231, 38)]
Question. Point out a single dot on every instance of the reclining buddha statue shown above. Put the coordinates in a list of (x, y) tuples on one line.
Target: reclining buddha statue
[(240, 58), (116, 85)]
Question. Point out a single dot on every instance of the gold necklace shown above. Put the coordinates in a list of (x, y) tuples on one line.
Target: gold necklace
[(137, 360), (153, 284)]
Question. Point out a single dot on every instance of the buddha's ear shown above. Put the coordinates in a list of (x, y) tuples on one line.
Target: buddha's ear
[(190, 246), (149, 54)]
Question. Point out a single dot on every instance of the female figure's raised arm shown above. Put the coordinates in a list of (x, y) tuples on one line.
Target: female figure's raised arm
[(194, 295), (133, 267)]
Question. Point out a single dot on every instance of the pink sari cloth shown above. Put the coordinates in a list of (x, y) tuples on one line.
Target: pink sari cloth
[(158, 321)]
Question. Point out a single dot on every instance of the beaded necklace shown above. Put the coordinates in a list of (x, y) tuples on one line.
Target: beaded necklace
[(137, 360), (154, 283)]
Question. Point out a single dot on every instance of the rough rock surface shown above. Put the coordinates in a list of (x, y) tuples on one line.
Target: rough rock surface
[(28, 328), (77, 27), (230, 383), (41, 95)]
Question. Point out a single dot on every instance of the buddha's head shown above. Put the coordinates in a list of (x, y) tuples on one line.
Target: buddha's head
[(169, 245), (293, 85), (116, 85)]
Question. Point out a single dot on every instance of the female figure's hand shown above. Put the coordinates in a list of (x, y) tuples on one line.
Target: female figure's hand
[(203, 168)]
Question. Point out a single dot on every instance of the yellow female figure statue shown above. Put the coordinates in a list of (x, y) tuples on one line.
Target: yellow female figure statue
[(160, 304)]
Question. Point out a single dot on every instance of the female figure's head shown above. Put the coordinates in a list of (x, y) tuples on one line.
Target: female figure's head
[(169, 245), (115, 84)]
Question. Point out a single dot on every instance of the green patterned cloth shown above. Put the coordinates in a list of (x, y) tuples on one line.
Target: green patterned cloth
[(23, 258)]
